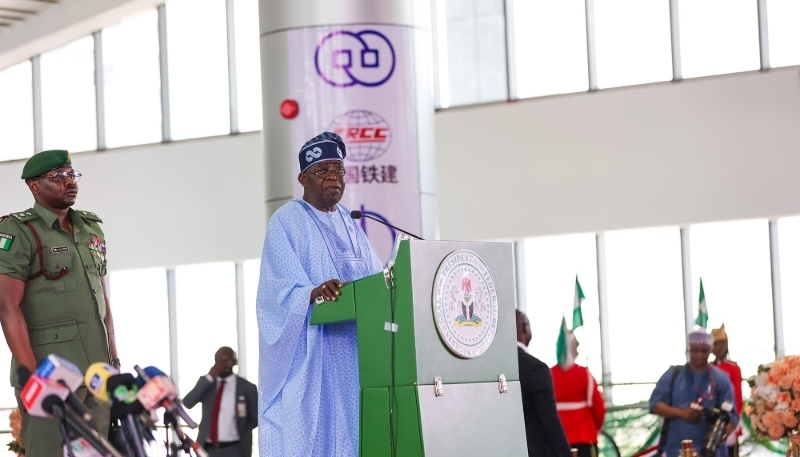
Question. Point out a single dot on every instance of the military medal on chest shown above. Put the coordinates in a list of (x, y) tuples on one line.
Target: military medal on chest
[(98, 248)]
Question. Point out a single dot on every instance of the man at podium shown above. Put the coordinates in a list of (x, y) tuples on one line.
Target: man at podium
[(308, 378)]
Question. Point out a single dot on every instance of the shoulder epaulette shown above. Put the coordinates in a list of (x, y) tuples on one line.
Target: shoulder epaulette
[(25, 216), (88, 215)]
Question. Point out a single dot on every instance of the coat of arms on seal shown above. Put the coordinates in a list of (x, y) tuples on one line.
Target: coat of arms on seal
[(465, 304)]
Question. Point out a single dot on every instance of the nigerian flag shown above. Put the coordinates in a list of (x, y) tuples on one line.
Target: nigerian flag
[(565, 350), (702, 311), (577, 314)]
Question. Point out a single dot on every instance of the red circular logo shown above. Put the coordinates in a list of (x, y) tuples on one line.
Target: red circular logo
[(289, 109)]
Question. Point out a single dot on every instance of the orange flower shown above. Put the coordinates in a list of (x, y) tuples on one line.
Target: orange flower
[(749, 410), (795, 405), (771, 418), (795, 439), (783, 397), (776, 431), (785, 382), (761, 427), (796, 385), (773, 377), (15, 418), (790, 420)]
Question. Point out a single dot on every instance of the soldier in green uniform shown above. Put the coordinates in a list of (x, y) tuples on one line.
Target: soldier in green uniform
[(53, 300)]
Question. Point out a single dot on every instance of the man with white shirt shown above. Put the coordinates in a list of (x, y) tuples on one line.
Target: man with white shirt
[(230, 406)]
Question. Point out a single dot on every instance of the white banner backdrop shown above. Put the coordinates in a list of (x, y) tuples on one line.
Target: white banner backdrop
[(358, 81)]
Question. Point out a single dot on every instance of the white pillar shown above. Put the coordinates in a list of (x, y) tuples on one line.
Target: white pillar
[(686, 268), (241, 319), (172, 303), (362, 69), (602, 302), (777, 300)]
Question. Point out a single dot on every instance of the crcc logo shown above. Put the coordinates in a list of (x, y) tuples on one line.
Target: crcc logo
[(344, 58)]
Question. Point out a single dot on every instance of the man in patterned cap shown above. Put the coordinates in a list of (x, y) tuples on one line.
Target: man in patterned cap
[(308, 383), (682, 388), (53, 299), (720, 350)]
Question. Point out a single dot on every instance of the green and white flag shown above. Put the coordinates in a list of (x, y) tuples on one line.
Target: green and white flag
[(565, 346), (5, 241), (702, 311), (577, 314)]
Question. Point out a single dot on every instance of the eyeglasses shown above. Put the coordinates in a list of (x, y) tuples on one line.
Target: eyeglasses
[(62, 176), (338, 172)]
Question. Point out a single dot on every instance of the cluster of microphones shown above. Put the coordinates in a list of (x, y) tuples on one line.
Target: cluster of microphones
[(49, 392)]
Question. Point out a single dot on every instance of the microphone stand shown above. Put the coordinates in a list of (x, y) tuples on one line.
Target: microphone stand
[(62, 426), (186, 443)]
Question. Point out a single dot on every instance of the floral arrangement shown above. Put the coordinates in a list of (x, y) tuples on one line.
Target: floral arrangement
[(774, 404), (16, 445)]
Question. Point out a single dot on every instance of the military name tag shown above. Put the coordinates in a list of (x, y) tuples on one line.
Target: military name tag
[(5, 241), (60, 249)]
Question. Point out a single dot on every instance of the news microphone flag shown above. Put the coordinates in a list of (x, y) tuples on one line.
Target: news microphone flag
[(36, 390), (57, 369), (577, 313), (96, 379)]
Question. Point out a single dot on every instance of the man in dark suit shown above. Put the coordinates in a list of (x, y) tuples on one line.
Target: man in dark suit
[(543, 428), (230, 406)]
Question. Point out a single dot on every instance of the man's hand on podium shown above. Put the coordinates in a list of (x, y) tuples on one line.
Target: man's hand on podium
[(327, 291)]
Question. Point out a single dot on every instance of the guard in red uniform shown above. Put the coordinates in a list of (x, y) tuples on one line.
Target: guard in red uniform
[(720, 350), (579, 403)]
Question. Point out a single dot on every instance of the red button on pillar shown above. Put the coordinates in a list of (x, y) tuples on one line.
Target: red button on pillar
[(289, 109)]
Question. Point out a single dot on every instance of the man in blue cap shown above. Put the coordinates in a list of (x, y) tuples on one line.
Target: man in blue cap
[(308, 383), (53, 299)]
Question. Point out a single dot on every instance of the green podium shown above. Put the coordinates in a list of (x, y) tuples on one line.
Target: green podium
[(437, 351)]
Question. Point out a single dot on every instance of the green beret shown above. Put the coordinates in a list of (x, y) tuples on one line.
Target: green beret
[(45, 161)]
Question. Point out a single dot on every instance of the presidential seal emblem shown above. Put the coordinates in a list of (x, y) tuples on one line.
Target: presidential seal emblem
[(465, 304)]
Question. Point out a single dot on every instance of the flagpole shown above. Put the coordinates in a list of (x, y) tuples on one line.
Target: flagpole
[(686, 267)]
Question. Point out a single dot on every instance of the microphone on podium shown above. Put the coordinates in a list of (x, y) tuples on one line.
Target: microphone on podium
[(68, 375), (45, 398), (96, 379), (359, 215), (158, 390)]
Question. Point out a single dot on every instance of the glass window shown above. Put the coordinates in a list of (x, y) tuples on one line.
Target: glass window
[(732, 258), (789, 239), (131, 73), (206, 302), (16, 112), (718, 36), (633, 42), (551, 264), (252, 271), (645, 308), (248, 64), (7, 399), (198, 68), (550, 41), (476, 52), (139, 305), (784, 34), (69, 110)]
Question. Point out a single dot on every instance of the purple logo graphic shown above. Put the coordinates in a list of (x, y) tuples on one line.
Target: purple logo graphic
[(344, 58)]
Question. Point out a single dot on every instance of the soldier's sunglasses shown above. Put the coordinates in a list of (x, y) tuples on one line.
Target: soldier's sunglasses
[(62, 176)]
